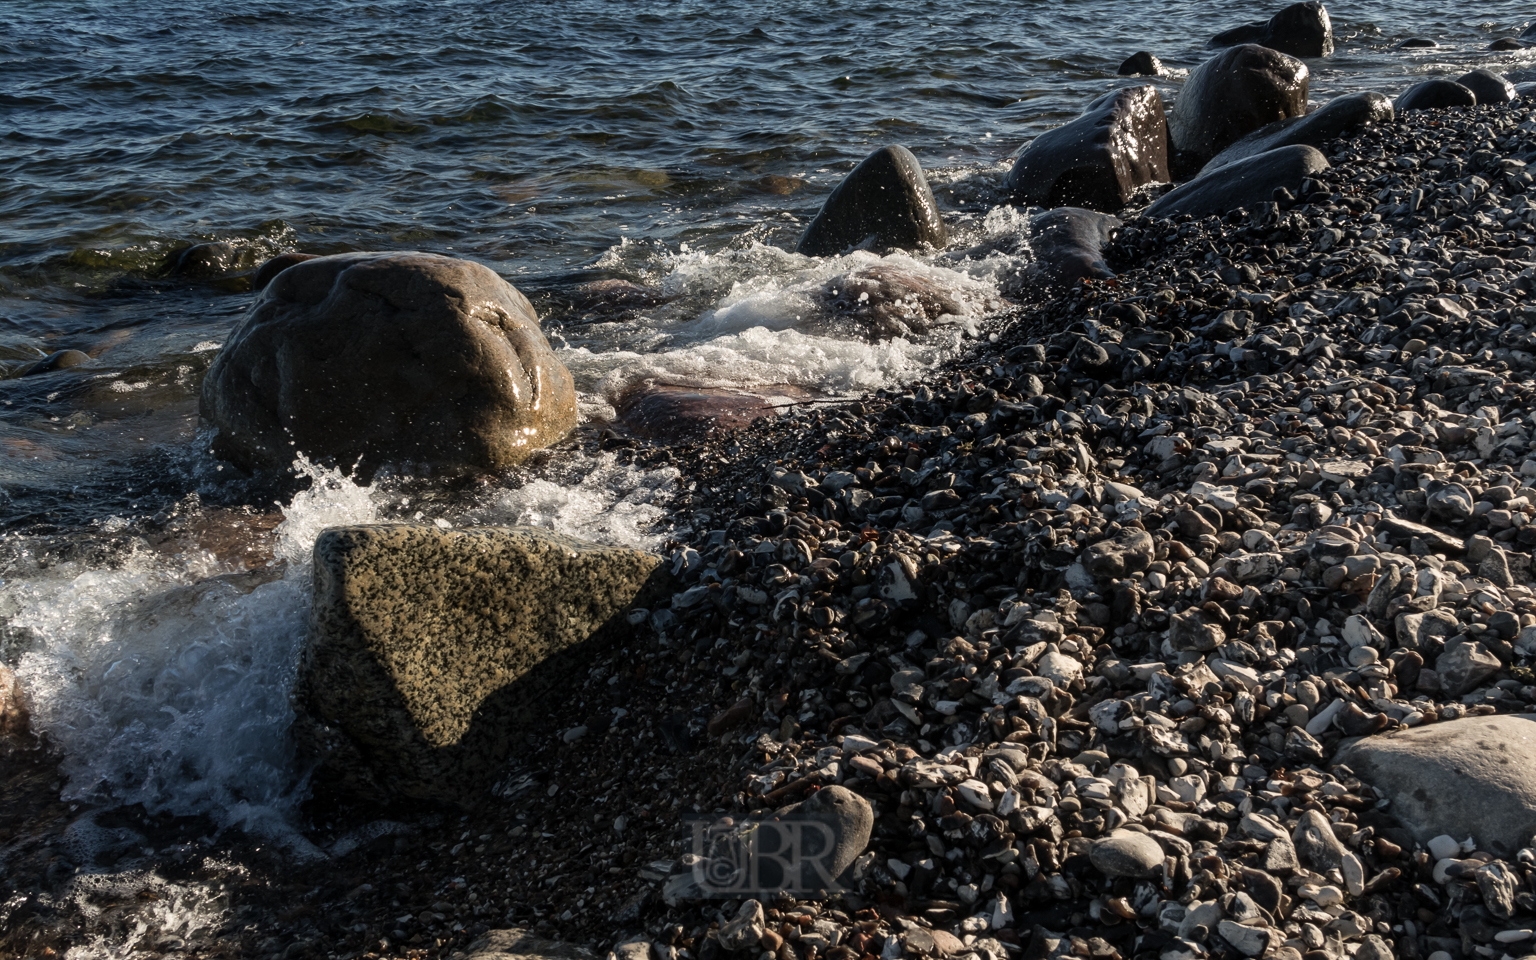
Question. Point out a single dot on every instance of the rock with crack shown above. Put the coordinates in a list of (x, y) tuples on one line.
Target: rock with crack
[(430, 652), (1430, 772)]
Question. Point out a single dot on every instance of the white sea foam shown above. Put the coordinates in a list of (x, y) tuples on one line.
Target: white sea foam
[(594, 498)]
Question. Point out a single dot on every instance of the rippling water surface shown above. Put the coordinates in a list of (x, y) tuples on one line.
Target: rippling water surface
[(682, 146)]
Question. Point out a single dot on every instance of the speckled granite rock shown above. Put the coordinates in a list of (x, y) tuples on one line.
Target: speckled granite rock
[(520, 944), (430, 650)]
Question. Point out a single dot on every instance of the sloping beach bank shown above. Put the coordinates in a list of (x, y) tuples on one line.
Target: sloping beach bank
[(1292, 442)]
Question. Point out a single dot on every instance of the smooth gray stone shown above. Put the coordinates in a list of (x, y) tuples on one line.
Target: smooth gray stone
[(1301, 30), (1487, 86), (1332, 120), (1243, 184), (1098, 160), (1233, 94), (1126, 853), (1435, 95), (884, 203), (1431, 772)]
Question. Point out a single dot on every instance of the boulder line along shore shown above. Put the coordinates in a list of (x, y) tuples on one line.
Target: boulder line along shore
[(1084, 618)]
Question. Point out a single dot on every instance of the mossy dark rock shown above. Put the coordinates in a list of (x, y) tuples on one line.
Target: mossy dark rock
[(412, 359), (883, 204), (1336, 118), (1231, 95), (1243, 184), (432, 653), (1301, 30), (1098, 160)]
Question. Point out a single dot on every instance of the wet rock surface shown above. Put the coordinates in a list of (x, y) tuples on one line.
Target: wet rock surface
[(1242, 184), (1336, 118), (377, 359), (1231, 95), (1099, 160), (1438, 94), (884, 204), (1301, 30)]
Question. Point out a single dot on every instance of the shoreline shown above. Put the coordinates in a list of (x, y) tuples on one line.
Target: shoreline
[(1040, 439)]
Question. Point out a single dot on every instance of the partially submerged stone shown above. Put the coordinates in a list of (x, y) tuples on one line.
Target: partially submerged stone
[(1100, 159), (885, 203), (1301, 30), (679, 413), (430, 650), (1430, 773), (1142, 64), (410, 359)]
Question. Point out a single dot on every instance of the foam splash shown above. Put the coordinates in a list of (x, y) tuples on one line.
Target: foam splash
[(594, 498), (172, 691)]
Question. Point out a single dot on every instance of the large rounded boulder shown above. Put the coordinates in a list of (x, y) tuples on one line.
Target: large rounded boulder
[(1242, 185), (1301, 30), (410, 359), (1334, 119), (1437, 94), (1233, 94), (1099, 160), (884, 204), (1487, 86)]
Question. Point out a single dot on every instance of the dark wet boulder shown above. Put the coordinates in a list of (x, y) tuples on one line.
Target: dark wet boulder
[(58, 360), (206, 261), (1231, 95), (1529, 33), (1301, 30), (678, 414), (1142, 64), (412, 359), (1435, 94), (1069, 246), (885, 301), (275, 266), (1525, 90), (883, 204), (1099, 160), (1336, 118), (1506, 43), (1243, 184), (1487, 86)]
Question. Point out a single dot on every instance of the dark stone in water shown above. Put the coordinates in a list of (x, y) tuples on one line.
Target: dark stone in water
[(275, 266), (1100, 159), (1417, 43), (1233, 94), (678, 414), (613, 298), (884, 203), (1337, 117), (775, 184), (60, 360), (1301, 30), (1526, 89), (1069, 245), (1529, 33), (1506, 43), (1142, 64), (1243, 184), (1487, 86), (207, 261), (1435, 94)]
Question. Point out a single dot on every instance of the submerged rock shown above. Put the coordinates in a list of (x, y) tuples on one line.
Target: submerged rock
[(431, 651), (1098, 160), (388, 358), (1418, 43), (883, 204), (1429, 774), (1301, 30), (1336, 118), (1242, 184), (1487, 86), (1435, 95), (207, 261), (58, 360), (1233, 94), (675, 413), (889, 302), (1142, 64)]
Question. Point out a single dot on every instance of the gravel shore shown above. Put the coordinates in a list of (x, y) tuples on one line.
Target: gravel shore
[(1084, 617)]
